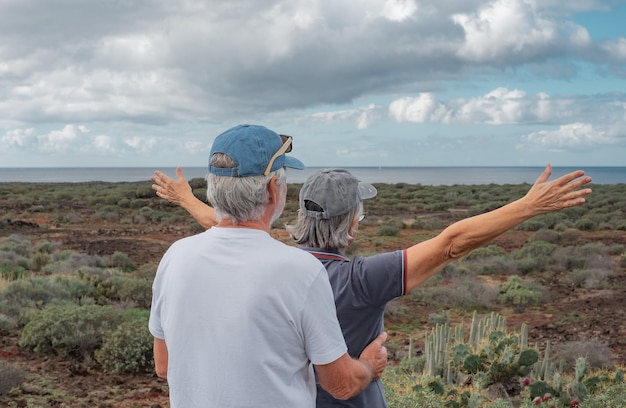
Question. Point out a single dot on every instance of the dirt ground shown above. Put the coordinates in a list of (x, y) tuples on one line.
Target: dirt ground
[(573, 314)]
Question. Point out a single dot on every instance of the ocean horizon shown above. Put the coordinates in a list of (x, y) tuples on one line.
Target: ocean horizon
[(410, 175)]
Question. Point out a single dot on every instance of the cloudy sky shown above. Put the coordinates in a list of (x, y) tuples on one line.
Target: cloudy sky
[(150, 83)]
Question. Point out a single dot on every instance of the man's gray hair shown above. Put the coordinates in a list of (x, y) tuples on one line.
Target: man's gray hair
[(239, 199), (334, 233)]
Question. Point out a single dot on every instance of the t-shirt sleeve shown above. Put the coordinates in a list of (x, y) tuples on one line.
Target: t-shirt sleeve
[(154, 323), (379, 278), (324, 340)]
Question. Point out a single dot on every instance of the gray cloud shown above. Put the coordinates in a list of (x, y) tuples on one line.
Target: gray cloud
[(152, 77)]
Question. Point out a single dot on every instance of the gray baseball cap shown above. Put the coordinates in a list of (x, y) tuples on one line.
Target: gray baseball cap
[(328, 193)]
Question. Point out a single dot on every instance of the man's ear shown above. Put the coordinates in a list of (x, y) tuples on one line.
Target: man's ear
[(273, 190)]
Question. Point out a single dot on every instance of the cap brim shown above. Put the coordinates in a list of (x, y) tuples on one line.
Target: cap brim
[(367, 191), (293, 163)]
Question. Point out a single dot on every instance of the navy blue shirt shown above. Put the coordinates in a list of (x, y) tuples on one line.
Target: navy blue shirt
[(362, 287)]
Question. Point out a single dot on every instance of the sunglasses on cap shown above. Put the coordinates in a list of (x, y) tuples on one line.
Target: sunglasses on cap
[(285, 148)]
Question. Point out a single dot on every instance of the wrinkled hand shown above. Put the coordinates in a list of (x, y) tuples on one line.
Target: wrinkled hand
[(547, 196), (376, 354), (174, 191)]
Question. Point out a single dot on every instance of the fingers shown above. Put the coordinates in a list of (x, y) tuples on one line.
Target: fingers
[(382, 338), (179, 174), (574, 176), (545, 175)]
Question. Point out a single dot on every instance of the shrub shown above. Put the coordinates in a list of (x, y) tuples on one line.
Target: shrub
[(10, 377), (589, 278), (531, 225), (496, 265), (38, 260), (467, 294), (585, 224), (127, 349), (17, 244), (126, 289), (122, 261), (69, 331), (11, 272), (490, 250), (547, 235), (529, 265), (597, 354), (7, 323), (535, 249), (387, 231), (515, 294), (570, 236)]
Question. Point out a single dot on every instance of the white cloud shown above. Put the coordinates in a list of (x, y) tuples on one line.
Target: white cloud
[(63, 140), (141, 144), (573, 136), (399, 10), (512, 29), (616, 49), (18, 137), (422, 109), (501, 106), (104, 144), (363, 117)]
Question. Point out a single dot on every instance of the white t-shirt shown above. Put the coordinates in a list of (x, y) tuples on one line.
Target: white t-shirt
[(243, 316)]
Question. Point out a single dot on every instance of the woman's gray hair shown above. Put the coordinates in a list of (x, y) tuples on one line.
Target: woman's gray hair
[(334, 233), (239, 199)]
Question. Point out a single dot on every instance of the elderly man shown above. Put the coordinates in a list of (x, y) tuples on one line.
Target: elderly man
[(330, 209), (239, 318)]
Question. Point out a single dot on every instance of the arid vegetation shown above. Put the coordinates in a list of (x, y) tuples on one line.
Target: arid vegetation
[(77, 262)]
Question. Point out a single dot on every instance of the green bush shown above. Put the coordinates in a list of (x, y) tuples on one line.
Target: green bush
[(496, 265), (69, 331), (387, 231), (16, 243), (7, 323), (38, 260), (515, 294), (127, 289), (11, 272), (37, 292), (122, 262), (532, 225), (585, 224), (490, 250), (535, 249), (128, 348)]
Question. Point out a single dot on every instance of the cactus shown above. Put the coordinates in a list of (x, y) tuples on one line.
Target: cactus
[(540, 388), (546, 367), (581, 368), (619, 377), (577, 390)]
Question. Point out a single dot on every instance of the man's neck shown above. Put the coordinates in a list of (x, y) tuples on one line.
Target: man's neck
[(254, 224)]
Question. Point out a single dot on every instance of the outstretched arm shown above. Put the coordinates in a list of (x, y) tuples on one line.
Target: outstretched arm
[(179, 192), (428, 257)]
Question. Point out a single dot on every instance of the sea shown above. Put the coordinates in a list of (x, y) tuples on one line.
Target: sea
[(411, 175)]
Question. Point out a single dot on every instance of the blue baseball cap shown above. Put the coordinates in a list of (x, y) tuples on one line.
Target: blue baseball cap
[(256, 151)]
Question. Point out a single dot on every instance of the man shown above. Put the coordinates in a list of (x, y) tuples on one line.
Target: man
[(239, 318), (330, 210)]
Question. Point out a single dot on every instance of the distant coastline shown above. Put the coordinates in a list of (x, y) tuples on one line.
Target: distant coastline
[(410, 175)]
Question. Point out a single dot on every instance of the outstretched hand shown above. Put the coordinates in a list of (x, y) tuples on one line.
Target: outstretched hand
[(547, 196), (174, 191), (376, 354)]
